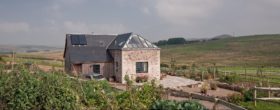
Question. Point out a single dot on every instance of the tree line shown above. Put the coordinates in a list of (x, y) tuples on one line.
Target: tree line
[(177, 40), (181, 40)]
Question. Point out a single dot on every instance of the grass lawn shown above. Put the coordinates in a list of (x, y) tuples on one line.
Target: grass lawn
[(261, 105), (269, 74)]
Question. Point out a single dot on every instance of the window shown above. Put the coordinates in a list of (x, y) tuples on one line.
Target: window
[(96, 69), (141, 67), (78, 40)]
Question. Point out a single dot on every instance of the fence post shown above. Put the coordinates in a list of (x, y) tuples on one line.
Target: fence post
[(215, 103), (269, 92), (255, 96), (168, 93)]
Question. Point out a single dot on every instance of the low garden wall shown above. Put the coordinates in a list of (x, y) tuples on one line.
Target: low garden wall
[(180, 93), (230, 87)]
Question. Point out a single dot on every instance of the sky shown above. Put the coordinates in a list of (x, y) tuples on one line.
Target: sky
[(45, 22)]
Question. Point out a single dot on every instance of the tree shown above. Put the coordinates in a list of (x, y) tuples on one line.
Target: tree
[(178, 40), (161, 42)]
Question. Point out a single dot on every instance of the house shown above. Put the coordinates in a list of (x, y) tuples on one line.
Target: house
[(113, 56)]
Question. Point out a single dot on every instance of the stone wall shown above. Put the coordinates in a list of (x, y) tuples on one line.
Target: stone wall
[(106, 69), (130, 57), (117, 56)]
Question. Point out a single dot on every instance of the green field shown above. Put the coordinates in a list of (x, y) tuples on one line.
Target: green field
[(261, 105), (237, 51)]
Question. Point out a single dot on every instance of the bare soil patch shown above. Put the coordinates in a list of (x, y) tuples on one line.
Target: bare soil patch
[(220, 92)]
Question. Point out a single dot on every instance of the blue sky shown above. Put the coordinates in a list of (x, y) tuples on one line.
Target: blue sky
[(45, 22)]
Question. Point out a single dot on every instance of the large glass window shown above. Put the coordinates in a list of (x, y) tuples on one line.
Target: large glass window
[(96, 69), (141, 67)]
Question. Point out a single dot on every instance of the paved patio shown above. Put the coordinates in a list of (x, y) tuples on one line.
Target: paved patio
[(175, 82)]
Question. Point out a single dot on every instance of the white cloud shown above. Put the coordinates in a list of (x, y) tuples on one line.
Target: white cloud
[(14, 27), (183, 11), (81, 27)]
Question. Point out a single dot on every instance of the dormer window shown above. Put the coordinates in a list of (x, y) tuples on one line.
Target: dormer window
[(78, 40)]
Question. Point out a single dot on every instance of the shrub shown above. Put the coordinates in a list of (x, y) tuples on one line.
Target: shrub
[(248, 94), (184, 67), (193, 76), (143, 78), (139, 98), (173, 105), (213, 86), (21, 89), (229, 79), (29, 91), (208, 76), (24, 90), (164, 65), (235, 98), (204, 88)]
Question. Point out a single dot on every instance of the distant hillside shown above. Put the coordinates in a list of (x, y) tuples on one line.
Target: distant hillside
[(224, 36), (252, 50), (26, 48)]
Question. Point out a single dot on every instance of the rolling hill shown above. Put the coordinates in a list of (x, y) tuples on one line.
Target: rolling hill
[(255, 50), (27, 48)]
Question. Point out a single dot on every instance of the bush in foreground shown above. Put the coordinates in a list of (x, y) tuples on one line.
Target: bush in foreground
[(23, 89), (173, 105)]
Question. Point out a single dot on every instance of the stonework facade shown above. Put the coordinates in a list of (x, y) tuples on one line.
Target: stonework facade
[(130, 57), (117, 55), (112, 56), (106, 69)]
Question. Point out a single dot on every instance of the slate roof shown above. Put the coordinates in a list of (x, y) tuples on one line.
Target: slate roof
[(97, 46), (95, 50)]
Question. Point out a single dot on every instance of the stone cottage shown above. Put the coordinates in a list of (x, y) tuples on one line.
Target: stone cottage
[(113, 56)]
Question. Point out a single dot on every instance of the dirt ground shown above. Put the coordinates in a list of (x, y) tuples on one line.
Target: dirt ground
[(220, 92)]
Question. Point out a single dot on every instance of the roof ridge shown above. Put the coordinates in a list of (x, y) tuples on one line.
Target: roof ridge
[(111, 42)]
